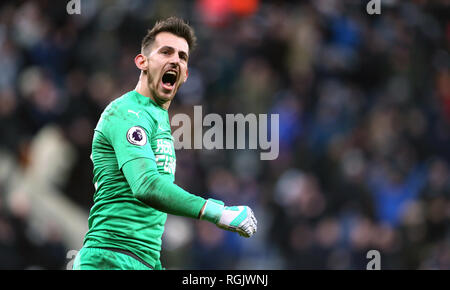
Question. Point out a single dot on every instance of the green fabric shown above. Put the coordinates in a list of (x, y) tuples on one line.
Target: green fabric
[(103, 259), (213, 210), (132, 127), (155, 190)]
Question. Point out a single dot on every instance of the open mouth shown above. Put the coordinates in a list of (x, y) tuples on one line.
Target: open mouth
[(169, 79)]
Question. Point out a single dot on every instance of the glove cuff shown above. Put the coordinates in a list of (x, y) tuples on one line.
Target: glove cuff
[(213, 210)]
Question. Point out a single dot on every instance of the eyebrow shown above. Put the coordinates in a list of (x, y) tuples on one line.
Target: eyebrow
[(182, 52)]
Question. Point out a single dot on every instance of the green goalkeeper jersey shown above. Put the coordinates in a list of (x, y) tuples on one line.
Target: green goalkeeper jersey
[(132, 126)]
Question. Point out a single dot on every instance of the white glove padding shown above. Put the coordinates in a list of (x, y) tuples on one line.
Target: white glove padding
[(238, 219)]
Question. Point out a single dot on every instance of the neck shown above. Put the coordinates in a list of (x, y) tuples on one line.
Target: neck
[(143, 89)]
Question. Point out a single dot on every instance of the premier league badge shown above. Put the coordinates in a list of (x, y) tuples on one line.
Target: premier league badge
[(136, 136)]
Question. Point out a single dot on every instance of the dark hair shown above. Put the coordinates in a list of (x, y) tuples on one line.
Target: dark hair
[(173, 25)]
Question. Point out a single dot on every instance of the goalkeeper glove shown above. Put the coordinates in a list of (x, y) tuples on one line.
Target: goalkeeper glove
[(238, 219)]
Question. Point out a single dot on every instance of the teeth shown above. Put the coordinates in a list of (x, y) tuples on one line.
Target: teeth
[(171, 72)]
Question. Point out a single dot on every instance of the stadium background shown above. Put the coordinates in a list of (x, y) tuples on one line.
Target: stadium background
[(364, 105)]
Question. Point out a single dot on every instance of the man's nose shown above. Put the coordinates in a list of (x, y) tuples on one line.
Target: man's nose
[(175, 60)]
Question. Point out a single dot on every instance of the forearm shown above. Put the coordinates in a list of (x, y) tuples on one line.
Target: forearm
[(167, 197), (159, 192)]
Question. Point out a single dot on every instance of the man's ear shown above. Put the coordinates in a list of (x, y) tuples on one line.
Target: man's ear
[(141, 62)]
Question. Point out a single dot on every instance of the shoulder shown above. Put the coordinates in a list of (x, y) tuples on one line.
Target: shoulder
[(124, 112), (119, 106), (118, 109)]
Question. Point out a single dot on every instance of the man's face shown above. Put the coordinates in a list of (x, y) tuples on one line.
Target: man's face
[(167, 66)]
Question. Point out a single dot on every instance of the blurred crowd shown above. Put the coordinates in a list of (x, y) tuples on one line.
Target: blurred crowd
[(364, 108)]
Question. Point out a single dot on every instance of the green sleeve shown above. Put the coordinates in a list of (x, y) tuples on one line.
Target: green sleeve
[(158, 191)]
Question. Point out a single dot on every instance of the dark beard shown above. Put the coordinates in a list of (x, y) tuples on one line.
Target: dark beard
[(153, 93)]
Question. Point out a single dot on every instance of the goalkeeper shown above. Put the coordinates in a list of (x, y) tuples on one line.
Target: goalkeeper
[(134, 164)]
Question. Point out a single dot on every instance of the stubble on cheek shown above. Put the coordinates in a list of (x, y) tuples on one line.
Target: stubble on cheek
[(151, 85), (149, 80)]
